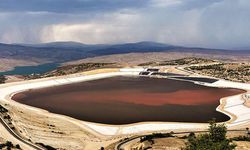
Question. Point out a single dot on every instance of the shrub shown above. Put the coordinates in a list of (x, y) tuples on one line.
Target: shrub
[(155, 135), (18, 146), (214, 140), (2, 146), (9, 144), (2, 79), (217, 132), (241, 138)]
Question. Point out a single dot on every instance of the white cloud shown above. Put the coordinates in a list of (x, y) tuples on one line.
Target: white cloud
[(146, 24), (226, 24), (164, 3), (110, 29), (217, 23)]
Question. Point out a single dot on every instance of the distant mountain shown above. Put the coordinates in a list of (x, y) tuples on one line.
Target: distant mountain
[(67, 51), (243, 48), (66, 45), (52, 54), (56, 44), (133, 47)]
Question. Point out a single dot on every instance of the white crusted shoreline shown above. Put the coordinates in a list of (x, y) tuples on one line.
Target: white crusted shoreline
[(234, 104)]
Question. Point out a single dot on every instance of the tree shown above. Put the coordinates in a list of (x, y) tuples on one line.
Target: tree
[(214, 140), (217, 132)]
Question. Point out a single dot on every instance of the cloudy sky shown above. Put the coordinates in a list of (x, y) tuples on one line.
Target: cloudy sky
[(203, 23)]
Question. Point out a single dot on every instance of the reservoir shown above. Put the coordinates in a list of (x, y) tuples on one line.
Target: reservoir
[(124, 100), (27, 70)]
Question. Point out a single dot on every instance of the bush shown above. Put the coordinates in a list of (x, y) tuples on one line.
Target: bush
[(2, 109), (217, 132), (155, 135), (9, 144), (241, 138), (2, 79), (214, 140), (18, 146), (191, 134), (6, 117)]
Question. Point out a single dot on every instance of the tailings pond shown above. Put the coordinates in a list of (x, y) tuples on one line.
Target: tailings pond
[(124, 100)]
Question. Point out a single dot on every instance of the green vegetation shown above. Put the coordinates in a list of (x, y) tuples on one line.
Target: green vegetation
[(79, 68), (241, 138), (182, 61), (70, 69), (214, 140), (148, 64), (155, 135), (186, 61), (9, 145), (234, 72), (7, 117), (217, 67), (2, 79), (3, 110)]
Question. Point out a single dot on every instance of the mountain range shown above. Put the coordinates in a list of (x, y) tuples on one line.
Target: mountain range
[(68, 51)]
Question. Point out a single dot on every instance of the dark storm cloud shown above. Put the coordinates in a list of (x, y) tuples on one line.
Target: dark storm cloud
[(68, 6), (198, 4), (203, 23)]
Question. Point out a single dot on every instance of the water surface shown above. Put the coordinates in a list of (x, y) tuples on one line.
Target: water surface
[(124, 100), (27, 70)]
